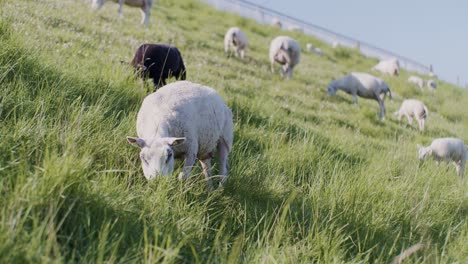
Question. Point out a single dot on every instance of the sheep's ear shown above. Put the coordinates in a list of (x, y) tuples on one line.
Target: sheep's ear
[(137, 142), (173, 141), (419, 146)]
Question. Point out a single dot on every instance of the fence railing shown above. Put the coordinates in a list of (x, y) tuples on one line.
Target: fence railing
[(267, 16)]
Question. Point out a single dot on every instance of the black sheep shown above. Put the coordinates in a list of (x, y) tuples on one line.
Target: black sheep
[(159, 62)]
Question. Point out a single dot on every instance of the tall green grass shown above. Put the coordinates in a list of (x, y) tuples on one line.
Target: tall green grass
[(312, 178)]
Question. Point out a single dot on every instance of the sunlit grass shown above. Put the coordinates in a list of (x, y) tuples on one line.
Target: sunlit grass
[(312, 178)]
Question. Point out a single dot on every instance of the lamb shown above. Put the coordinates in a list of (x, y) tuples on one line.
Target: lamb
[(363, 85), (416, 80), (310, 47), (235, 37), (187, 121), (431, 84), (287, 52), (159, 62), (448, 149), (413, 108), (144, 5), (390, 67)]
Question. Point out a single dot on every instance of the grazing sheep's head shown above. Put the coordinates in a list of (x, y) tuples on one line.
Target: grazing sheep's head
[(97, 4), (424, 152), (331, 89), (157, 156)]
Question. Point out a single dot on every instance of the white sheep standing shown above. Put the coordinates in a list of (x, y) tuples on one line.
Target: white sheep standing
[(310, 47), (390, 67), (187, 121), (416, 80), (448, 149), (363, 85), (235, 37), (413, 108), (144, 5), (431, 84), (287, 52)]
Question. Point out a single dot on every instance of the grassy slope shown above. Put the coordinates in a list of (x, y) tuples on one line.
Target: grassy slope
[(312, 178)]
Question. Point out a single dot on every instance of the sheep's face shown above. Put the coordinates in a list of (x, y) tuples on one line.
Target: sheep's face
[(331, 90), (424, 152), (157, 156), (97, 4)]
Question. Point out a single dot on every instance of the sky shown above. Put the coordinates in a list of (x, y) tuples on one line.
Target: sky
[(430, 32)]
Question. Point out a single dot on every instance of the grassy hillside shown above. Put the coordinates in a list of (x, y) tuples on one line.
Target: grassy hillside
[(312, 178)]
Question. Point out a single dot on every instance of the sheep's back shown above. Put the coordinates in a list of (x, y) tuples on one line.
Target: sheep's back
[(453, 148), (190, 110)]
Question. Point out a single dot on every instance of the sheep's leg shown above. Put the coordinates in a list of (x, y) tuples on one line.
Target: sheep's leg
[(354, 98), (121, 3), (206, 166), (236, 51), (145, 14), (421, 124), (242, 53), (272, 62), (188, 165), (288, 73), (223, 153), (382, 109), (410, 120), (457, 167), (462, 168)]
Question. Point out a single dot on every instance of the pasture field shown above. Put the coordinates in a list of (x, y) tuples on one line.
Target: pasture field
[(313, 179)]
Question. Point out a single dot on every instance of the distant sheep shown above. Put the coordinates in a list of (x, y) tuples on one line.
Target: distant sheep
[(413, 108), (363, 85), (446, 149), (311, 48), (287, 52), (431, 84), (159, 62), (416, 80), (276, 23), (235, 37), (295, 28), (319, 52), (335, 44), (390, 67), (144, 5), (185, 121)]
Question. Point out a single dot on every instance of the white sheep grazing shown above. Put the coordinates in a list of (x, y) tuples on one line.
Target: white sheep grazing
[(287, 52), (296, 28), (391, 67), (276, 23), (335, 44), (448, 149), (318, 52), (416, 80), (235, 37), (363, 85), (431, 84), (187, 121), (311, 48), (144, 5), (413, 108)]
